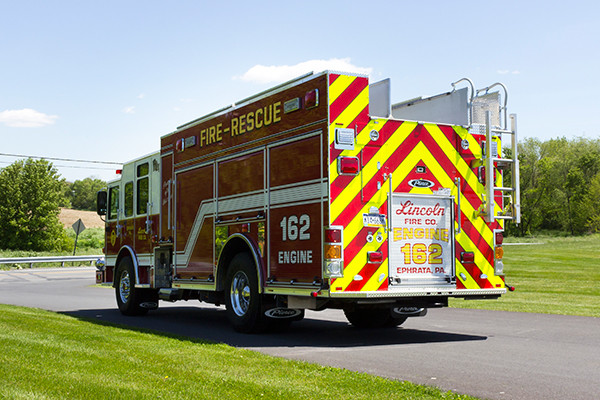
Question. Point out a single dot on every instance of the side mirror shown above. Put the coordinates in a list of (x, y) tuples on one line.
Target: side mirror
[(101, 201)]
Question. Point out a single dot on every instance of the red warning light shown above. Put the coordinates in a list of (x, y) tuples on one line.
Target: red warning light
[(348, 165), (311, 99), (375, 257), (467, 257)]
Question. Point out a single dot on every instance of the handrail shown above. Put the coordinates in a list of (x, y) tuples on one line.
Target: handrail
[(470, 82), (49, 259), (502, 108)]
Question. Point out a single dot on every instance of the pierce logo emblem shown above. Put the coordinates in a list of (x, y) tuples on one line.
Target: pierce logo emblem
[(420, 183)]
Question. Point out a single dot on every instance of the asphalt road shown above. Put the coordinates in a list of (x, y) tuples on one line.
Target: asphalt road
[(489, 354)]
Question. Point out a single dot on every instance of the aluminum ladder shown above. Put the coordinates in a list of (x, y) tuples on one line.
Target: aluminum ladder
[(511, 211)]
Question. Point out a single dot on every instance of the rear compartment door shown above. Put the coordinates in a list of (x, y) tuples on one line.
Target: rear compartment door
[(421, 241)]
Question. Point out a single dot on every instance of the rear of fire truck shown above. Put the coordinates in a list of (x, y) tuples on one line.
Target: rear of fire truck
[(417, 200), (383, 210)]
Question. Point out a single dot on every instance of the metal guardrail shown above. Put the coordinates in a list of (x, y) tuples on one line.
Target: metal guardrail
[(50, 259)]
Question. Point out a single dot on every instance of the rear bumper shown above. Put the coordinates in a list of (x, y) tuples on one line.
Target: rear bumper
[(419, 292)]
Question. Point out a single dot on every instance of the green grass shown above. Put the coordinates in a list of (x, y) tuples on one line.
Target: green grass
[(90, 240), (52, 356), (560, 276)]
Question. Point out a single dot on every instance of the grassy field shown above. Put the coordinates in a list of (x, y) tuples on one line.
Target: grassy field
[(52, 356), (559, 276)]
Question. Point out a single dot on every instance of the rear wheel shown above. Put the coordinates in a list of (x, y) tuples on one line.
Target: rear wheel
[(242, 299), (130, 299), (373, 318)]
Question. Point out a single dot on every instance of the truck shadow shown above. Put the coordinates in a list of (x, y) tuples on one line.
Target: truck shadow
[(211, 324)]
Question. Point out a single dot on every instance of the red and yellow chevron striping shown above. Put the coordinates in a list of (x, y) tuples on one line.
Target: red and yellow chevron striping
[(401, 147)]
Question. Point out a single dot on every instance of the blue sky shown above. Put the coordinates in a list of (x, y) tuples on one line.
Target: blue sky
[(105, 80)]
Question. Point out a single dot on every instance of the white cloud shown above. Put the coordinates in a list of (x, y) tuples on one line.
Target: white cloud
[(26, 118), (129, 110), (281, 73)]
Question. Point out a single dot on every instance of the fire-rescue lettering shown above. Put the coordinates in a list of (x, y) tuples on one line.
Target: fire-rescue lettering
[(295, 257), (211, 135), (251, 121), (256, 119)]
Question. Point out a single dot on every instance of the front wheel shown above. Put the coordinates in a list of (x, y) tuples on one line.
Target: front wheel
[(130, 299), (242, 298)]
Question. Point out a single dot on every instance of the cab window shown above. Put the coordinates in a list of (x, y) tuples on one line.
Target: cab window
[(142, 188), (113, 202), (128, 199)]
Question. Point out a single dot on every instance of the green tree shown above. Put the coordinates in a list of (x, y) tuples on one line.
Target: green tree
[(556, 181), (66, 194), (30, 194), (531, 154), (83, 193), (592, 205)]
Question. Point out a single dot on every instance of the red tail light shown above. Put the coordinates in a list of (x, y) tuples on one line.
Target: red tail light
[(499, 238), (348, 165), (333, 235)]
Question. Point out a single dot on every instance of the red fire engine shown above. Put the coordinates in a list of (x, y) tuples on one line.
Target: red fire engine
[(319, 193)]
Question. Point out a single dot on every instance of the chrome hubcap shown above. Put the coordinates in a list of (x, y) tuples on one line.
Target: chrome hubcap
[(124, 287), (240, 294)]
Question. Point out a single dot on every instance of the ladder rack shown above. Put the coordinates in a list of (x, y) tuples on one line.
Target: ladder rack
[(514, 213)]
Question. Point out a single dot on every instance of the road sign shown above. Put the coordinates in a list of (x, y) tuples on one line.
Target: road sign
[(78, 226)]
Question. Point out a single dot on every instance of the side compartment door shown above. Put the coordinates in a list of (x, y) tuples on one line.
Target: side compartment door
[(194, 223), (296, 212)]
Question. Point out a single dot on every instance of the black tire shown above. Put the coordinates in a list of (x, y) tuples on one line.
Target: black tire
[(128, 297), (370, 318), (242, 298)]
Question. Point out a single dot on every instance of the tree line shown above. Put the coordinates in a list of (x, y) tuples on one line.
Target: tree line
[(560, 186), (31, 194)]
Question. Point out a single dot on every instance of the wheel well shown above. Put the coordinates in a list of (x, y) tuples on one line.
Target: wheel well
[(123, 253), (235, 245)]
